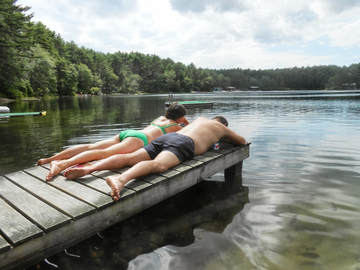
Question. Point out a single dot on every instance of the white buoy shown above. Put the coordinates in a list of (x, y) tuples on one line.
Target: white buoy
[(4, 109)]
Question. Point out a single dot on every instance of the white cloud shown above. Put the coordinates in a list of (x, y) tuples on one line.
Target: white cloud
[(212, 33)]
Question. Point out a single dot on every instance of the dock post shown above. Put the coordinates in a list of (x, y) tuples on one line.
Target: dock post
[(233, 178)]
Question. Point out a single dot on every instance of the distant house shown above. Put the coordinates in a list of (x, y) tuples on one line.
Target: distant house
[(217, 89), (230, 88), (254, 88), (350, 86)]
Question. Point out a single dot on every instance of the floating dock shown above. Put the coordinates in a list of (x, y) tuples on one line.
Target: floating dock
[(39, 219), (42, 113), (193, 104)]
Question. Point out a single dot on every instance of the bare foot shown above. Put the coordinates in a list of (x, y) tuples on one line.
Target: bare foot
[(54, 170), (76, 172), (116, 187), (42, 162)]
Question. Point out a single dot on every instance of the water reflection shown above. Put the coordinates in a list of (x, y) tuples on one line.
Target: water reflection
[(185, 220), (303, 175)]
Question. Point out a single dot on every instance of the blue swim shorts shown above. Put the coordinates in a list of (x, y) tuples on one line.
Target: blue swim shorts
[(180, 145)]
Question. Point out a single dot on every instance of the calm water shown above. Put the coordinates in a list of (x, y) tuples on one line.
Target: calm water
[(299, 208)]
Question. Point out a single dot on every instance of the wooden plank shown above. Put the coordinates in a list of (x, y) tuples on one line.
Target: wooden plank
[(15, 227), (4, 245), (37, 249), (182, 167), (52, 196), (99, 184), (73, 188), (154, 179), (46, 217), (194, 163), (134, 184)]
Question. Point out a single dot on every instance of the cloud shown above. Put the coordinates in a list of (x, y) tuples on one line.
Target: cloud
[(198, 6), (212, 33)]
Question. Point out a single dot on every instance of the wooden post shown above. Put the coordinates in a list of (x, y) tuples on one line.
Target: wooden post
[(233, 178)]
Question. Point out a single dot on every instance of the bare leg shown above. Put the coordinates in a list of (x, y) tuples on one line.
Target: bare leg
[(129, 145), (67, 153), (77, 149), (161, 163), (111, 163)]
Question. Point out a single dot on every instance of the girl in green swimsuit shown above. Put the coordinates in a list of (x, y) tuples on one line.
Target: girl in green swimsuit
[(126, 142)]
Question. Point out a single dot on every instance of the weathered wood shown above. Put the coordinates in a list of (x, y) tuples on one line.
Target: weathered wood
[(52, 196), (3, 245), (233, 178), (15, 227), (30, 197), (45, 216), (75, 189), (99, 184)]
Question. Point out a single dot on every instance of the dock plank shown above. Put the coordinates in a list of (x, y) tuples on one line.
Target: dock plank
[(4, 245), (15, 227), (136, 185), (99, 184), (46, 217), (79, 191), (52, 196)]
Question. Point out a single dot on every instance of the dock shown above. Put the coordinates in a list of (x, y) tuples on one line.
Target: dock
[(39, 219), (42, 113), (193, 104)]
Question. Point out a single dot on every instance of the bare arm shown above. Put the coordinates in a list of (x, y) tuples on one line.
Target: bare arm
[(232, 137), (185, 121)]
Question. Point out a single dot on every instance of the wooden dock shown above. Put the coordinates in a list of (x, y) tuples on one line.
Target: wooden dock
[(193, 104), (39, 219)]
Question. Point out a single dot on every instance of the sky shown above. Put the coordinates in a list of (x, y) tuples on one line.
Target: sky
[(214, 34)]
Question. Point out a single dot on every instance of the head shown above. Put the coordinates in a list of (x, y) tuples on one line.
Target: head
[(222, 120), (175, 111)]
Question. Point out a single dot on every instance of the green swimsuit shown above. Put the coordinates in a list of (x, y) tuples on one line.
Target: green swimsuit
[(162, 128), (133, 133), (139, 134)]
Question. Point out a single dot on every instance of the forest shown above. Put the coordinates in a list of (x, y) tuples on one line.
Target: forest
[(36, 61)]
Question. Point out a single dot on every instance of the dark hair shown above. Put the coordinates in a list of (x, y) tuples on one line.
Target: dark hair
[(175, 111), (222, 120)]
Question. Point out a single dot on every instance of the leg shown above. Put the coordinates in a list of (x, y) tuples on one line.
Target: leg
[(111, 163), (164, 161), (129, 145), (77, 149)]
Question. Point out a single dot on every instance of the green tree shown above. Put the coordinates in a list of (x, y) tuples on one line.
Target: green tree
[(41, 72), (15, 42), (85, 78), (67, 78)]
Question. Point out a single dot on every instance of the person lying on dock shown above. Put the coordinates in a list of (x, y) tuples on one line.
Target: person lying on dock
[(127, 141), (163, 153)]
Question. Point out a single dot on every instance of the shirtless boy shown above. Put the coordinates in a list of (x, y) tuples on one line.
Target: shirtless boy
[(163, 153)]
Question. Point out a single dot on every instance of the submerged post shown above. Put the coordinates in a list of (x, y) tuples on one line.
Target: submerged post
[(233, 178)]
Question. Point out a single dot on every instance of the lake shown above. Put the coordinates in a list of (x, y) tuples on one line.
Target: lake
[(299, 209)]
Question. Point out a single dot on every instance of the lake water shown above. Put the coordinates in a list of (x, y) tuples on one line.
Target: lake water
[(299, 209)]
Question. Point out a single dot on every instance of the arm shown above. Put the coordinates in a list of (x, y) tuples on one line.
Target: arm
[(232, 137), (185, 121)]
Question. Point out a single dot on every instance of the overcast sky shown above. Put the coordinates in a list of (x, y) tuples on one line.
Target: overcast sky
[(216, 34)]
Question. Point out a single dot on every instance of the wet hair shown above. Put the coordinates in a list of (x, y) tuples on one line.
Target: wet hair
[(175, 111), (222, 120)]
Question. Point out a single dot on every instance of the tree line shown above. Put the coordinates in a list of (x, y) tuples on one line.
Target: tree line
[(36, 61)]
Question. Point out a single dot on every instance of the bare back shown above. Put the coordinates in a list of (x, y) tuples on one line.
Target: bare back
[(152, 132), (205, 132)]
